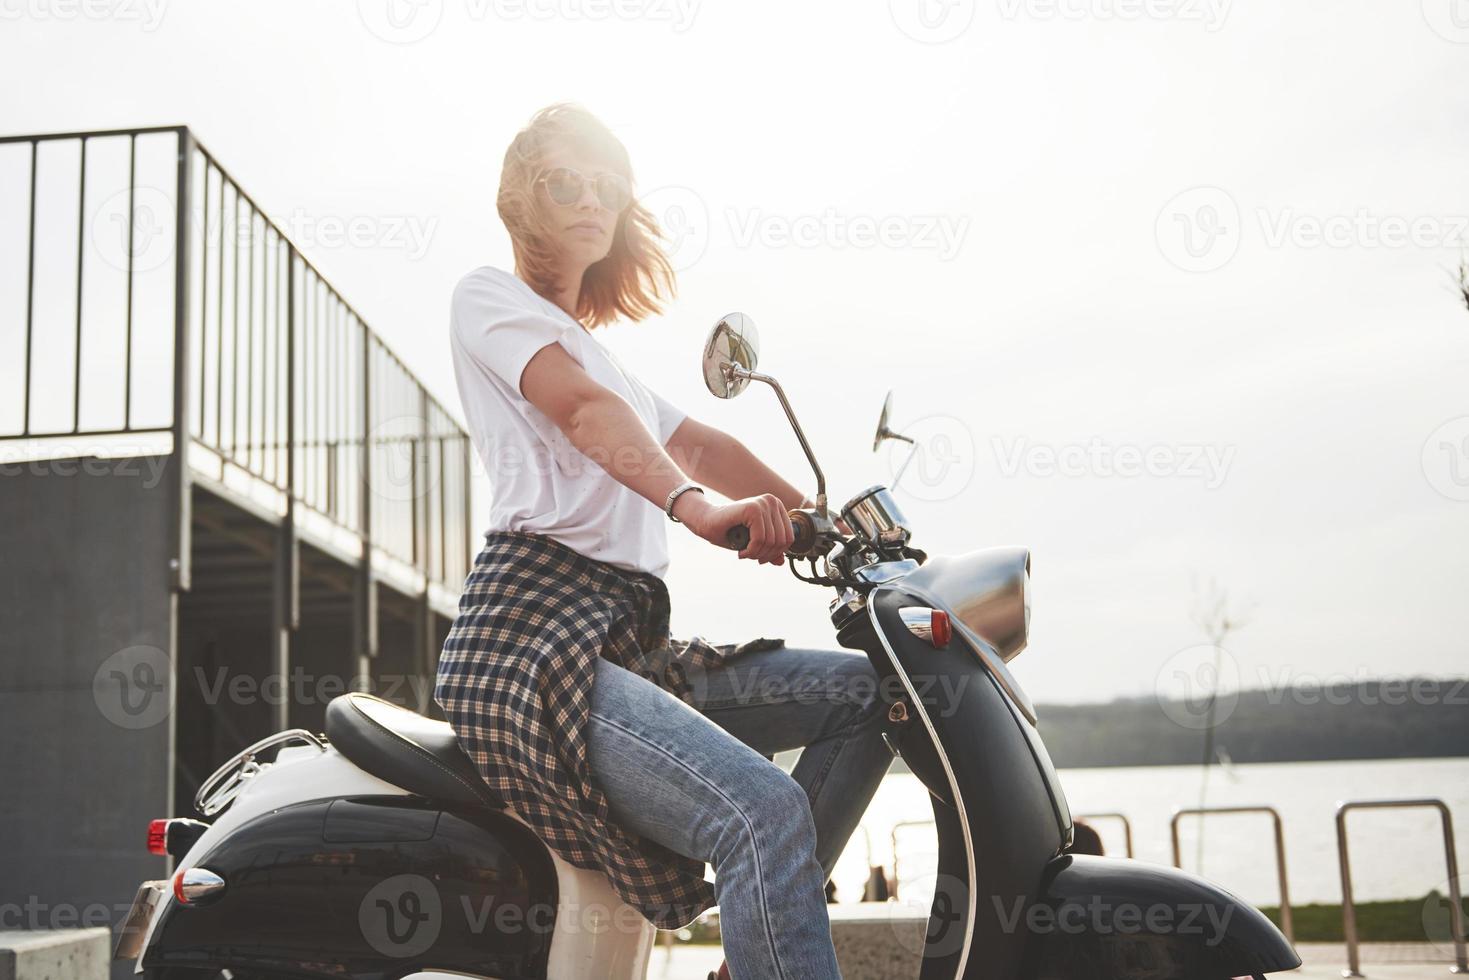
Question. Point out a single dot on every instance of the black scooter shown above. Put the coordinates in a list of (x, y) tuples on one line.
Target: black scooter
[(375, 851)]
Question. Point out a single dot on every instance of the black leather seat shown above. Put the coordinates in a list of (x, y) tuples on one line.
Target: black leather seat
[(406, 749)]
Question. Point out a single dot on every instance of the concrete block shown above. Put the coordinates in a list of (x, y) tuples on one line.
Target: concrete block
[(878, 940), (55, 954)]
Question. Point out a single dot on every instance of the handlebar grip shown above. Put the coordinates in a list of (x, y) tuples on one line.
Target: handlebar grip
[(738, 537)]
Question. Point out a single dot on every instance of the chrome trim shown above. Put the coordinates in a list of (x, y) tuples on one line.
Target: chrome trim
[(919, 620), (197, 883), (732, 343), (986, 590), (875, 516), (785, 403), (221, 788), (883, 572), (972, 887)]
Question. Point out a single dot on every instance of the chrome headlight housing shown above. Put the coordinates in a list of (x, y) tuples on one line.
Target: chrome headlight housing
[(988, 591)]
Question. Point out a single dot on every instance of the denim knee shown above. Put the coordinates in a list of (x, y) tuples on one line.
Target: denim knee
[(771, 810)]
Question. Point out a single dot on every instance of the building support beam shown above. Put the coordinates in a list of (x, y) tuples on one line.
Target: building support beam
[(178, 478)]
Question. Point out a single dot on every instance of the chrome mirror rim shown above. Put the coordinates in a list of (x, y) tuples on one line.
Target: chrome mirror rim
[(882, 422), (731, 353)]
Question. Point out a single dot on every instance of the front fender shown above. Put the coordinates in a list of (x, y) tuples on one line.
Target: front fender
[(1116, 919)]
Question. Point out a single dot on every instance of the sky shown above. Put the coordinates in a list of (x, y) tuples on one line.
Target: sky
[(1162, 287)]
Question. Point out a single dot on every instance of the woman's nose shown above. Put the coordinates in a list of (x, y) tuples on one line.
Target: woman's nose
[(589, 200)]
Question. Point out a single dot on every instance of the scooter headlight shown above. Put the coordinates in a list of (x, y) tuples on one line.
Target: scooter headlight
[(988, 591)]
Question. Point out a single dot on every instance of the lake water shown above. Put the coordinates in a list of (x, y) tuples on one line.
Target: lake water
[(1395, 853)]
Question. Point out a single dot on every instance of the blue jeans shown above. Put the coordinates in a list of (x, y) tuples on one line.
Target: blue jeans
[(698, 782)]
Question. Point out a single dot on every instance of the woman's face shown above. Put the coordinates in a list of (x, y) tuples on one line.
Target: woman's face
[(582, 230)]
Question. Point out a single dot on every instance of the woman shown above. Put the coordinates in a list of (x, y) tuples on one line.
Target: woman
[(630, 753)]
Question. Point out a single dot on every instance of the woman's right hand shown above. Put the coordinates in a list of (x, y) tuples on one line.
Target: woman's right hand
[(765, 516)]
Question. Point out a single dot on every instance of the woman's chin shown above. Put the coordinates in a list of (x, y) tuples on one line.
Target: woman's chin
[(587, 253)]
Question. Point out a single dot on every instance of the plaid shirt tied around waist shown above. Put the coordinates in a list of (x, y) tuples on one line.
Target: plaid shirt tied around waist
[(515, 682)]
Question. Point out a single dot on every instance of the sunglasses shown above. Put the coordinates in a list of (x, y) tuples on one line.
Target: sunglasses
[(564, 186)]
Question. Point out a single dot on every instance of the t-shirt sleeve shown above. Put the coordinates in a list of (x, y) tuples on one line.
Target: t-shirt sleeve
[(496, 326), (670, 416)]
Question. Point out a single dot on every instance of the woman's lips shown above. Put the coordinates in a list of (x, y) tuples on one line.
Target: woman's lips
[(587, 226)]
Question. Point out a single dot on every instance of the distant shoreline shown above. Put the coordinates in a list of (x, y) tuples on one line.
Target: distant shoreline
[(1425, 718)]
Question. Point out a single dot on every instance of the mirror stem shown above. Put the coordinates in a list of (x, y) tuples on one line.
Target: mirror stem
[(806, 446), (898, 477)]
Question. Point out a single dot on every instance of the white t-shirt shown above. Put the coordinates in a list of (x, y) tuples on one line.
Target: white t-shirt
[(541, 483)]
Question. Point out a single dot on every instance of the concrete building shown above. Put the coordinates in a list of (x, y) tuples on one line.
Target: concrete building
[(224, 500)]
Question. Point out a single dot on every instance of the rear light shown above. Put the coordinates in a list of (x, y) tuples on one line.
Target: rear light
[(175, 837), (197, 886)]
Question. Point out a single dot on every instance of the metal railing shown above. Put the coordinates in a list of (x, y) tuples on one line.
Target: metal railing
[(901, 825), (1348, 904), (1287, 925), (1122, 817), (159, 298)]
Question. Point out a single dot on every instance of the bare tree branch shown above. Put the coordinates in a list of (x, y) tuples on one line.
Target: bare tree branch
[(1461, 279), (1212, 612)]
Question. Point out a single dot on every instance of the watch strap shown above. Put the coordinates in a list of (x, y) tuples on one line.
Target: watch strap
[(677, 492)]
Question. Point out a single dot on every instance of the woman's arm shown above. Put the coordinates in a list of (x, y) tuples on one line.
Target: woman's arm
[(719, 460), (607, 430)]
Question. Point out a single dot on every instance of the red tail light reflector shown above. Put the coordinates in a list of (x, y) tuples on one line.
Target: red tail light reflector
[(158, 837)]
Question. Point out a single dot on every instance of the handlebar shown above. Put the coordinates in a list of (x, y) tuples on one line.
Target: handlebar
[(802, 531)]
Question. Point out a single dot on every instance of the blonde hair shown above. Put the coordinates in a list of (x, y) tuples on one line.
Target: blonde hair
[(635, 277)]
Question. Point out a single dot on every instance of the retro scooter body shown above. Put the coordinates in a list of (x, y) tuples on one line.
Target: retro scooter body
[(1009, 902)]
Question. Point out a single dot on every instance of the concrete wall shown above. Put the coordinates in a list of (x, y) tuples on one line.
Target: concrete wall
[(117, 696), (86, 654), (225, 700)]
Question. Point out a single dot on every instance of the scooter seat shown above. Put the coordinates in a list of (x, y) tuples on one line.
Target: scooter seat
[(406, 749)]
